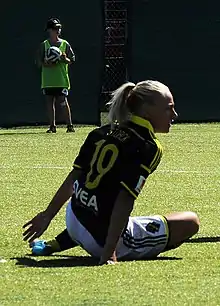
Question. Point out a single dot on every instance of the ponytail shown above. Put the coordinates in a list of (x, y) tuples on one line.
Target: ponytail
[(118, 110), (124, 102)]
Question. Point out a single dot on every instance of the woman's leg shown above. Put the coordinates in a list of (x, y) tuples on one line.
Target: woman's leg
[(182, 226)]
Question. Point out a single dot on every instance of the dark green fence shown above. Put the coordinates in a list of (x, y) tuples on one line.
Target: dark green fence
[(22, 30), (178, 42)]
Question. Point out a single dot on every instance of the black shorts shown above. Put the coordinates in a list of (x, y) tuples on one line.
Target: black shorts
[(55, 91)]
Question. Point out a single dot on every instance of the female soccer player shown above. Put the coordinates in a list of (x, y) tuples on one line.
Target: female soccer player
[(107, 177)]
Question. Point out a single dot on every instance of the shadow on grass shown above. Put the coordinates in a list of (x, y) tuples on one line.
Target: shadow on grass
[(204, 240), (70, 261), (162, 258), (63, 261)]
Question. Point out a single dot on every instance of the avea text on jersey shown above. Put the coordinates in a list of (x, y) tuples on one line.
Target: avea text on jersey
[(84, 197)]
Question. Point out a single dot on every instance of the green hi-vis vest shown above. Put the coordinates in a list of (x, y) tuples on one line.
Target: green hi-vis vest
[(57, 75)]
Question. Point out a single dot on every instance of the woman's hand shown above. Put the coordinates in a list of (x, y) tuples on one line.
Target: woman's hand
[(37, 226)]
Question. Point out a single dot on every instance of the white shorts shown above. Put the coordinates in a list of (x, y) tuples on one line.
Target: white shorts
[(145, 237)]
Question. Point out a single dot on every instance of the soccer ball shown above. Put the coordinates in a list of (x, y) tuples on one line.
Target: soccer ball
[(53, 54)]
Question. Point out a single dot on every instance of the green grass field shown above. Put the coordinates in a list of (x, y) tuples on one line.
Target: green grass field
[(32, 166)]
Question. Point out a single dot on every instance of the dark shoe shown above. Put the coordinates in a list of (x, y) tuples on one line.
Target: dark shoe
[(70, 129), (52, 129)]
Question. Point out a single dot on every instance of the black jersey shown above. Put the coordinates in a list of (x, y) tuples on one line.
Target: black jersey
[(111, 160)]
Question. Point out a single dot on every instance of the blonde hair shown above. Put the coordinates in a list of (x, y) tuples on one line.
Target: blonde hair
[(129, 99)]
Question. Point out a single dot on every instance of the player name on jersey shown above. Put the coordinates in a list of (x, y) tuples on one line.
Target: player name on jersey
[(120, 135)]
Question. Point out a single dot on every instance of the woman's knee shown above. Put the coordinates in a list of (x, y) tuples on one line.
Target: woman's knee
[(193, 222), (182, 226), (186, 220)]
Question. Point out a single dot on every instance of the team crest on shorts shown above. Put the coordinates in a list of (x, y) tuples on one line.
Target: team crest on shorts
[(140, 184), (153, 227)]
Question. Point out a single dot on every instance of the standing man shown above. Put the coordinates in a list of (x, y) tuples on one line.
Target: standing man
[(55, 82)]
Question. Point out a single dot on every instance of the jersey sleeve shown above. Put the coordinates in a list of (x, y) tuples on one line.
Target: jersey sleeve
[(139, 166)]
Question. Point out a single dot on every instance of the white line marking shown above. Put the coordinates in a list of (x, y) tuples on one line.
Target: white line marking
[(165, 171), (2, 260), (180, 171), (33, 167), (47, 167), (190, 172)]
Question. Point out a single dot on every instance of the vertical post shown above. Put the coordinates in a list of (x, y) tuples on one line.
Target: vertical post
[(115, 44)]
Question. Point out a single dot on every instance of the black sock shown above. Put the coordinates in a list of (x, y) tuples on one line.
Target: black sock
[(65, 241)]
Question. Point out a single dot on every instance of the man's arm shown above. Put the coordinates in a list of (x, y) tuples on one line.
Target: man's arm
[(40, 56), (119, 218), (38, 225), (65, 59), (68, 57)]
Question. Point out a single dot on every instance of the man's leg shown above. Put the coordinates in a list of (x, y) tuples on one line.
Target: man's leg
[(51, 113), (62, 100), (182, 226)]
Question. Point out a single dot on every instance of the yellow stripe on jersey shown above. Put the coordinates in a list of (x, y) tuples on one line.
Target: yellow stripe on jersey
[(158, 154), (146, 168), (77, 166), (128, 189), (142, 122), (136, 133), (156, 159), (159, 145)]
